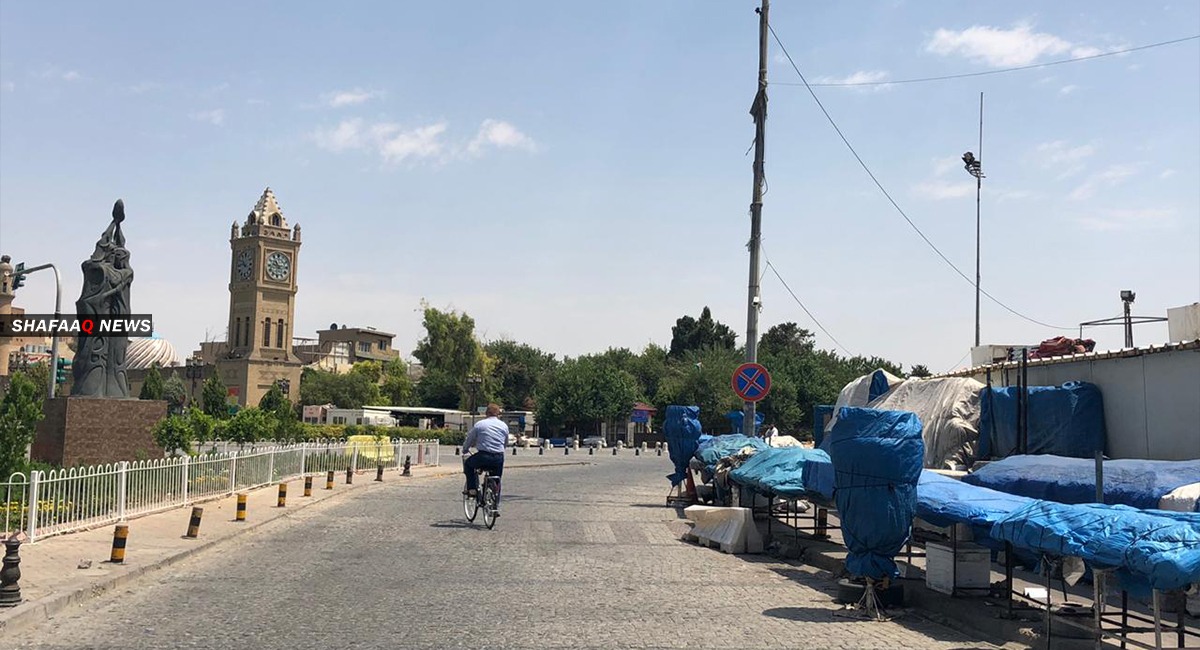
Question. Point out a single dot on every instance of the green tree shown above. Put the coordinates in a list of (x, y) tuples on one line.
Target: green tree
[(449, 344), (20, 411), (175, 392), (519, 371), (438, 389), (585, 391), (152, 385), (274, 402), (691, 334), (212, 397), (702, 378), (396, 387), (174, 434), (203, 425), (39, 373), (372, 370), (250, 425), (920, 371), (351, 390)]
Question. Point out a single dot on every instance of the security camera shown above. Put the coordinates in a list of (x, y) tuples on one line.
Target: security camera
[(1128, 296), (756, 301)]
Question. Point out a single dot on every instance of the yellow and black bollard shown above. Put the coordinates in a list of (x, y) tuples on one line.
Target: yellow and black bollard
[(241, 507), (282, 495), (514, 450), (541, 451), (329, 480), (407, 466), (349, 476), (456, 451), (120, 536), (308, 486), (194, 523), (379, 473), (614, 451), (591, 451), (637, 451)]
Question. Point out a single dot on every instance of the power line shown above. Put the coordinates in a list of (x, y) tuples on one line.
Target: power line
[(834, 84), (893, 201), (798, 302)]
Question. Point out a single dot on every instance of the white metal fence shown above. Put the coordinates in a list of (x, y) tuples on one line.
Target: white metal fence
[(61, 501)]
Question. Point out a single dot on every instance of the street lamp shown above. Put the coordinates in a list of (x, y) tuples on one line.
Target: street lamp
[(193, 369), (974, 167), (473, 382), (1127, 298)]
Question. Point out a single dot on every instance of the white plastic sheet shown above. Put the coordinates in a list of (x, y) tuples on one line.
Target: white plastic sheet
[(948, 408)]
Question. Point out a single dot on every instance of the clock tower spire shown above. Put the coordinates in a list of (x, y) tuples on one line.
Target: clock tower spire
[(262, 303)]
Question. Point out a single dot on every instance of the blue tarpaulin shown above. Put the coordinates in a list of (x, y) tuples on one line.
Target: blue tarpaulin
[(736, 417), (777, 471), (819, 413), (1132, 482), (721, 447), (1157, 549), (943, 501), (877, 458), (681, 426), (1065, 420)]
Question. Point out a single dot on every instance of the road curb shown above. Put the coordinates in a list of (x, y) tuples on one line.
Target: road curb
[(37, 611)]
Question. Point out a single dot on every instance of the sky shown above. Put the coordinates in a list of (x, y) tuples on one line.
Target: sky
[(577, 176)]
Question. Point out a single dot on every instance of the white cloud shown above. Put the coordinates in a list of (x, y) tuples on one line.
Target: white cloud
[(500, 135), (144, 87), (392, 142), (1067, 159), (348, 97), (1113, 175), (939, 190), (1129, 219), (942, 166), (858, 77), (1067, 89), (397, 145), (1001, 48), (1167, 173), (58, 74), (9, 86), (215, 117)]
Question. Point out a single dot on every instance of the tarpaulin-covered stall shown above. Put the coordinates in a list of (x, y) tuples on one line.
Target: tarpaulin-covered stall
[(681, 427), (948, 408), (1133, 482), (777, 471), (876, 459), (863, 391), (1065, 420), (1155, 549), (721, 447)]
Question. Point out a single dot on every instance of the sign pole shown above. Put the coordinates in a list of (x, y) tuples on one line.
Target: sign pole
[(759, 111)]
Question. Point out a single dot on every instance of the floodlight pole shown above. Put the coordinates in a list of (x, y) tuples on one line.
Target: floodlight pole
[(57, 316), (754, 302), (978, 192)]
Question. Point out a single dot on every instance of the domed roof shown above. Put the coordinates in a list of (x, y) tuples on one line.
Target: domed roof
[(142, 353)]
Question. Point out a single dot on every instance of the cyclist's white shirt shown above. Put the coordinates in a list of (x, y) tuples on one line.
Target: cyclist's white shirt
[(489, 434)]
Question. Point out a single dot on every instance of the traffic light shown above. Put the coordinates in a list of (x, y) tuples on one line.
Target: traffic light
[(19, 276), (61, 372)]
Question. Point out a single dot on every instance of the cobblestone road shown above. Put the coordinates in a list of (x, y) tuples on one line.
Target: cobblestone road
[(584, 556)]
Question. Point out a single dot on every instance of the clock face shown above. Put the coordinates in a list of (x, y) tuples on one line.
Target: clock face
[(245, 264), (278, 266)]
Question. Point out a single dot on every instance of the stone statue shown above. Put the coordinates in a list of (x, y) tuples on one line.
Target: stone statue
[(99, 368), (6, 274)]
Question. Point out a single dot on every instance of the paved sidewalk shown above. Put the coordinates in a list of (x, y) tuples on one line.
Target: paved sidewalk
[(58, 572)]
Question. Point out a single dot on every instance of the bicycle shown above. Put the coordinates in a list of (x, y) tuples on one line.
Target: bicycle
[(487, 497)]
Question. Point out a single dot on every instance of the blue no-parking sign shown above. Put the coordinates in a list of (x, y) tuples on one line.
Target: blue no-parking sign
[(751, 382)]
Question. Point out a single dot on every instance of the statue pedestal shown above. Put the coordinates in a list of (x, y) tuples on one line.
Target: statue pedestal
[(91, 431)]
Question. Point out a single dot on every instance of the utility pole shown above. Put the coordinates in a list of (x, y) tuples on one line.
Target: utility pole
[(754, 302), (974, 167), (978, 192)]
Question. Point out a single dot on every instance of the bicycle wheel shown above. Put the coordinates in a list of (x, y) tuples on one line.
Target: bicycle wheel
[(489, 505), (470, 504)]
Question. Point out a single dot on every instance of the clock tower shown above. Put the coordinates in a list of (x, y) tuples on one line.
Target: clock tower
[(262, 305)]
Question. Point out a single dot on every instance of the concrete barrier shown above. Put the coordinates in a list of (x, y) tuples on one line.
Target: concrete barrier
[(730, 529)]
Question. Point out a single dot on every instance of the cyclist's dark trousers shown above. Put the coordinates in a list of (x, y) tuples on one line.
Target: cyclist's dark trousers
[(492, 461)]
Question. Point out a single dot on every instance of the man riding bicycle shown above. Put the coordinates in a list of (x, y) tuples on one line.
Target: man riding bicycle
[(489, 436)]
